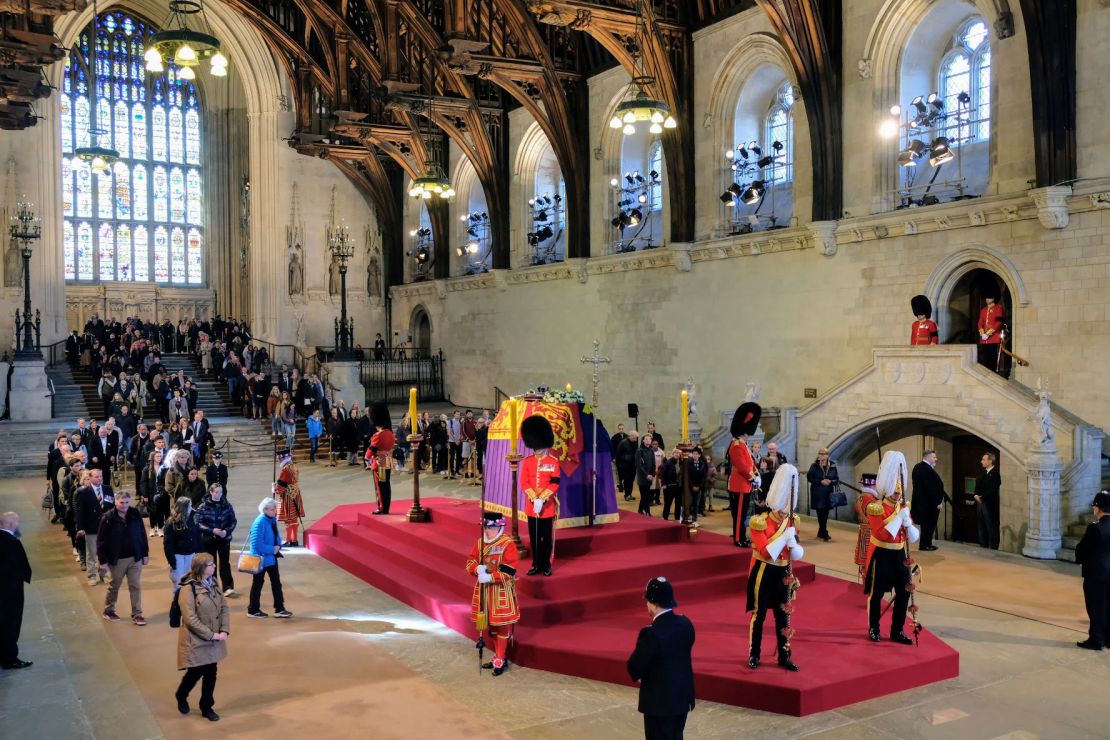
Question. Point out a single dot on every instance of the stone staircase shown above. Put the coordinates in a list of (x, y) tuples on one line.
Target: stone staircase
[(1074, 531), (69, 397), (212, 396)]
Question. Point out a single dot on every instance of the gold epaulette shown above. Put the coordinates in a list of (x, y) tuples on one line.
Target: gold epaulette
[(875, 508), (758, 523)]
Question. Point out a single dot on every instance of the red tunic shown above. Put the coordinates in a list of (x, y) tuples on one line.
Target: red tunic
[(880, 513), (766, 529), (923, 332), (383, 440), (499, 599), (743, 468), (290, 505), (539, 477), (990, 323)]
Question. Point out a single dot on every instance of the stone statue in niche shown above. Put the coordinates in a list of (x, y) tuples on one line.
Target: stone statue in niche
[(373, 276), (333, 277), (1042, 433), (296, 271), (13, 265), (300, 329)]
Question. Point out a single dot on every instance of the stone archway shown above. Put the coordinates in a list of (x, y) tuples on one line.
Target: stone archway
[(945, 384), (420, 329)]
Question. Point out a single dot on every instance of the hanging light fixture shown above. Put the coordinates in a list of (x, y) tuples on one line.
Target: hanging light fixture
[(639, 106), (433, 183), (99, 158), (184, 46)]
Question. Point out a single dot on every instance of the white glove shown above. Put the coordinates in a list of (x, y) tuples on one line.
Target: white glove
[(776, 546), (537, 506), (906, 517), (893, 526), (482, 570), (796, 552), (484, 577), (757, 482), (913, 534), (791, 538)]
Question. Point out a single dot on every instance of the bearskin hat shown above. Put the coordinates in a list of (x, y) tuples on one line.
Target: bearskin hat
[(746, 418), (379, 415), (921, 306), (537, 433)]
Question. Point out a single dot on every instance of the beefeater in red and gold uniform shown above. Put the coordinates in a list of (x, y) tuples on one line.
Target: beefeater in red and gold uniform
[(991, 317), (774, 544), (381, 459), (539, 479), (744, 423), (887, 570), (924, 329), (287, 491), (493, 561)]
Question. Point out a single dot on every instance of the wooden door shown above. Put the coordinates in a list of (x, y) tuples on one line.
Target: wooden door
[(967, 453)]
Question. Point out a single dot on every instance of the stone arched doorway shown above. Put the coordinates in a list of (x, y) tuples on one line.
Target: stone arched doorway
[(958, 454), (420, 330)]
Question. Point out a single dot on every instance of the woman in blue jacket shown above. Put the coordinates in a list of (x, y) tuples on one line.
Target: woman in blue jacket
[(266, 543), (315, 426)]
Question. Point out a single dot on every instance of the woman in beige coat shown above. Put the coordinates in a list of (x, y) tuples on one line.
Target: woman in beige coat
[(202, 637)]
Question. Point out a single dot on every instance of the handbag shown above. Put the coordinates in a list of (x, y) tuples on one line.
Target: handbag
[(248, 561), (837, 497)]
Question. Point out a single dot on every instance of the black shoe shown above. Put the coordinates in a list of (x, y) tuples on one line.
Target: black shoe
[(379, 512), (788, 664), (500, 669), (533, 571), (182, 705), (900, 638), (16, 664), (753, 662), (547, 571), (1086, 645), (210, 716), (258, 615), (873, 635), (930, 548)]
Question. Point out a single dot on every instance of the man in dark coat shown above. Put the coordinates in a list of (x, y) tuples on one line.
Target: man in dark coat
[(14, 572), (661, 663), (1093, 554), (988, 502), (928, 497)]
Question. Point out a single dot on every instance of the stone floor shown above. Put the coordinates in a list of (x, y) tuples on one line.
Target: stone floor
[(354, 660)]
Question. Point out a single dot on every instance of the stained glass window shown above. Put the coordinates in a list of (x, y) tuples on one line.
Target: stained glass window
[(655, 164), (779, 126), (123, 225)]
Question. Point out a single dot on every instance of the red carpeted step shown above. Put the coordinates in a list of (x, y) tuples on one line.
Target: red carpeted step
[(583, 621)]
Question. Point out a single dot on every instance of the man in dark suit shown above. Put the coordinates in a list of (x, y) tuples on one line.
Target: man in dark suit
[(89, 504), (14, 572), (1093, 553), (661, 663), (202, 438), (102, 452), (987, 502), (928, 497)]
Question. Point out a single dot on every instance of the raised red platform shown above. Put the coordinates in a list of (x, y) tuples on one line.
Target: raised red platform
[(583, 620)]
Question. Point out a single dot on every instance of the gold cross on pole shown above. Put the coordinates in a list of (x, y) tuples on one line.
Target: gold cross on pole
[(597, 361)]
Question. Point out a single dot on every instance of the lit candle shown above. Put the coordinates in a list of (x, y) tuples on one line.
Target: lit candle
[(512, 426), (569, 387), (412, 409), (685, 416)]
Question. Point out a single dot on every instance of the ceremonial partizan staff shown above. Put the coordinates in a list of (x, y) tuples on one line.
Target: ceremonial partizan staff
[(771, 583), (888, 564), (493, 560)]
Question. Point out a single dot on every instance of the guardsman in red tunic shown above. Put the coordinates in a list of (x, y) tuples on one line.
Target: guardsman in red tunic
[(287, 491), (744, 423), (991, 317), (924, 329), (493, 560), (774, 545), (539, 478), (887, 570), (381, 462)]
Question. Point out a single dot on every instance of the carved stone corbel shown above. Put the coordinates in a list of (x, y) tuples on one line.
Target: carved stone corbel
[(1052, 205), (823, 236)]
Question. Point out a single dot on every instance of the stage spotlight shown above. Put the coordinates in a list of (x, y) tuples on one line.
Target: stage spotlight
[(895, 110), (908, 157), (919, 103), (777, 146), (642, 198), (542, 215), (753, 193), (764, 161), (729, 154), (612, 183), (462, 217), (936, 102), (743, 150), (653, 175), (422, 255), (726, 197), (735, 190), (940, 152), (617, 222), (472, 232), (963, 98), (888, 129), (628, 176), (635, 216)]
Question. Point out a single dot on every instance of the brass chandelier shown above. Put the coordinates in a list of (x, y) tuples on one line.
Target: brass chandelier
[(99, 158), (186, 46), (638, 105)]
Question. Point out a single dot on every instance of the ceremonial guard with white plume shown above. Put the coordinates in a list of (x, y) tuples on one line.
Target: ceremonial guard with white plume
[(771, 581), (889, 567)]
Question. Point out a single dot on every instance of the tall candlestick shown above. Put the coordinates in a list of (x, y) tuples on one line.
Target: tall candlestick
[(685, 416), (513, 426), (412, 408)]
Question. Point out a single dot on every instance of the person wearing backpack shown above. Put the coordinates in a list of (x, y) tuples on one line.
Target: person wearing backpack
[(181, 539), (205, 622)]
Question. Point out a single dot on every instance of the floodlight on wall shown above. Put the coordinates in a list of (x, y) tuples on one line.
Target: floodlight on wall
[(753, 193), (940, 151), (914, 150)]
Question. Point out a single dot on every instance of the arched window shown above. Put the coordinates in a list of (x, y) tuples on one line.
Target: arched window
[(655, 174), (143, 220), (779, 126), (965, 69)]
